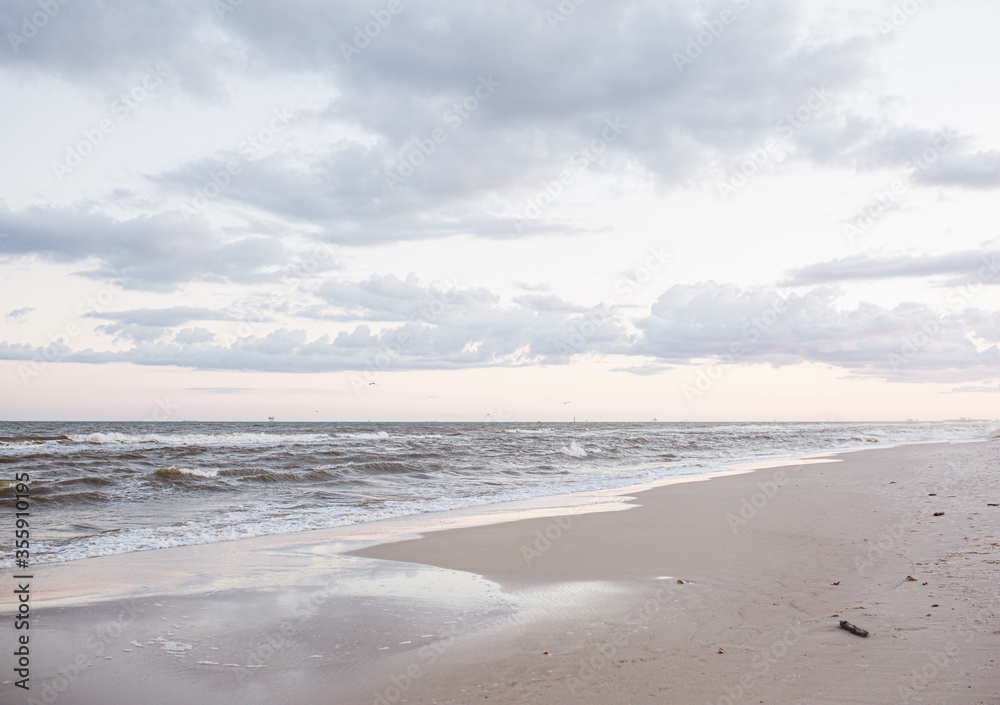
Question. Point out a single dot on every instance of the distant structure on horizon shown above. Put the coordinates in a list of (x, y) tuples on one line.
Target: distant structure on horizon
[(270, 419)]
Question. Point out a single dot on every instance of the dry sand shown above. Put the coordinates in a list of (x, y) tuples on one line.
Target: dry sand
[(766, 581), (572, 609)]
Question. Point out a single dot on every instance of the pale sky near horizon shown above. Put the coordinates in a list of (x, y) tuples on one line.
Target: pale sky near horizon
[(718, 210)]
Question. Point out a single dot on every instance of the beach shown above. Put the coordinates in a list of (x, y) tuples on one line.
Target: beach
[(545, 352), (726, 590)]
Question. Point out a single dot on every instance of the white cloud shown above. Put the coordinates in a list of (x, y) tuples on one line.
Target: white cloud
[(723, 322), (439, 328)]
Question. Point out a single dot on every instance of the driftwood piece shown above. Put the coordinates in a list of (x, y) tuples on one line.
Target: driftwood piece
[(844, 624)]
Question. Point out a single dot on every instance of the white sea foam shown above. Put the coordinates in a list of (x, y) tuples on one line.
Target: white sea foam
[(379, 435), (575, 450), (203, 439)]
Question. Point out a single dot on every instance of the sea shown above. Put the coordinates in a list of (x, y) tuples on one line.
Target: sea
[(99, 488)]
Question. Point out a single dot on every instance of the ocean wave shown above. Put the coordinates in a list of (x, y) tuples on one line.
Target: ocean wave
[(185, 472), (247, 475), (240, 480), (268, 475), (575, 450), (374, 435), (31, 439), (72, 499), (68, 492), (384, 467), (41, 489), (265, 519), (203, 439)]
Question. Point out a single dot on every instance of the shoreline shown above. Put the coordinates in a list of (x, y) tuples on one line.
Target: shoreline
[(409, 525), (124, 509), (86, 583), (464, 612)]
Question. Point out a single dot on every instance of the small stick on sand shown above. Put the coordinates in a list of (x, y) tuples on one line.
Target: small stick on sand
[(844, 624)]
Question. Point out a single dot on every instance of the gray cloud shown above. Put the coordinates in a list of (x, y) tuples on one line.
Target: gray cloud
[(146, 252), (977, 170), (163, 317), (545, 92), (145, 325), (557, 87), (438, 328), (930, 157), (982, 266), (983, 324), (538, 95), (193, 336), (107, 45), (388, 298), (730, 324), (473, 329), (19, 315), (471, 322)]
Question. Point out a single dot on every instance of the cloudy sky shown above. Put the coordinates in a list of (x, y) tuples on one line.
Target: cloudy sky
[(390, 209)]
